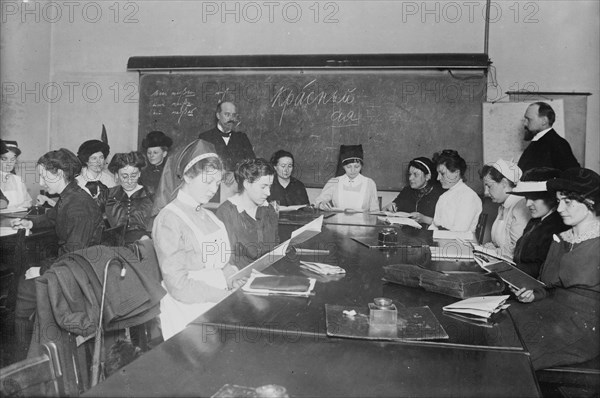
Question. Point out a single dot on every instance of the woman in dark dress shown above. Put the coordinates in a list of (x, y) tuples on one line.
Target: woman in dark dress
[(560, 324), (421, 195), (157, 146), (251, 222), (286, 190), (129, 203), (532, 247)]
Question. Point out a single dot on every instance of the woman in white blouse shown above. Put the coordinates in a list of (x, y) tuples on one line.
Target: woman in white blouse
[(12, 186), (458, 208), (351, 190), (499, 179)]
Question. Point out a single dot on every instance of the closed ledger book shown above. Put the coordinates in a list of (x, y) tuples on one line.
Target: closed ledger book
[(279, 285)]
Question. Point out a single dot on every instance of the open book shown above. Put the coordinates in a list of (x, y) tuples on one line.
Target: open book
[(510, 274), (300, 235), (482, 306)]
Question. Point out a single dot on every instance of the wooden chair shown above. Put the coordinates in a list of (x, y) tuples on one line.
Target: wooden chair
[(114, 236), (34, 377), (480, 228)]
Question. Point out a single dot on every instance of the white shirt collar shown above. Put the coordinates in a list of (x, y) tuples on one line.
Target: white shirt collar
[(456, 185), (187, 199), (540, 134)]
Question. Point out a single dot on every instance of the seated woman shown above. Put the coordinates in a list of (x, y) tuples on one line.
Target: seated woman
[(191, 243), (94, 178), (76, 219), (12, 186), (286, 190), (351, 190), (157, 146), (422, 193), (531, 248), (252, 224), (129, 203), (560, 325), (458, 208), (499, 178)]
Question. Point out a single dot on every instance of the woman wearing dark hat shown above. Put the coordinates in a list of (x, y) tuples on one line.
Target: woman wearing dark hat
[(157, 145), (499, 178), (252, 224), (128, 203), (421, 195), (191, 243), (565, 314), (531, 248), (94, 178), (351, 190), (11, 185), (459, 207)]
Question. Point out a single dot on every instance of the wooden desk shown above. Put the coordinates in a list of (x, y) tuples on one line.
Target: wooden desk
[(202, 358), (361, 283)]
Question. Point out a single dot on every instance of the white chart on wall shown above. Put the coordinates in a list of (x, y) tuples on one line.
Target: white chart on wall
[(503, 128)]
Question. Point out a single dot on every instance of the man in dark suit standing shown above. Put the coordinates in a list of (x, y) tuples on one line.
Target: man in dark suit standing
[(231, 146), (547, 148)]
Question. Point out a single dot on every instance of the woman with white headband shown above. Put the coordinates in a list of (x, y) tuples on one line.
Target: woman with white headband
[(421, 194), (191, 243), (499, 179)]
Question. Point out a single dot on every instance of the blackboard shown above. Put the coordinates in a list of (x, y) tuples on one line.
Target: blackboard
[(395, 114)]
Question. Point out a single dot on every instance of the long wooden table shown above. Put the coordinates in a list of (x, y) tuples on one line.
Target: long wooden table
[(202, 358), (256, 340)]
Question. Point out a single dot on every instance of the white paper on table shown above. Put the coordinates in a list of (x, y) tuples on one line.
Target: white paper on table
[(401, 221), (466, 236)]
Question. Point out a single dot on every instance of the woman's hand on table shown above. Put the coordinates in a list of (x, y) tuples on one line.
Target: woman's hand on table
[(19, 223), (420, 218), (324, 206)]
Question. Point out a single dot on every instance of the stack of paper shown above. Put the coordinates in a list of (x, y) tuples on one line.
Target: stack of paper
[(269, 285), (400, 221), (482, 307), (322, 268)]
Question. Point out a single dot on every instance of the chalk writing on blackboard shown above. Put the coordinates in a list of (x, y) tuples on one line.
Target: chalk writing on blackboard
[(287, 96)]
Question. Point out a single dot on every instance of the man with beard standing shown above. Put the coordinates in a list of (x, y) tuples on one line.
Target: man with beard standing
[(547, 148), (231, 146)]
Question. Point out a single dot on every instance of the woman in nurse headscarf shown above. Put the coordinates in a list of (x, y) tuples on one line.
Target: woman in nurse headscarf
[(191, 243), (352, 190)]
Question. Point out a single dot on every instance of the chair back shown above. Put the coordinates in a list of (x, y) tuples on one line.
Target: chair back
[(34, 377), (480, 228), (113, 236)]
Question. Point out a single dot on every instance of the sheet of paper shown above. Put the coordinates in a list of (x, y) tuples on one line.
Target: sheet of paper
[(466, 236), (401, 221), (291, 208)]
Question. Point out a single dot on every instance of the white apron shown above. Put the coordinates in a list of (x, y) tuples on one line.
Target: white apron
[(174, 314), (351, 199)]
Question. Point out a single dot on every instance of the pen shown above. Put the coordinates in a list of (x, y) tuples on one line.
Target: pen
[(311, 251)]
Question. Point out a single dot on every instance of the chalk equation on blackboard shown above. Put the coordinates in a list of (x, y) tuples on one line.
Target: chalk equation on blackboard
[(289, 97)]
